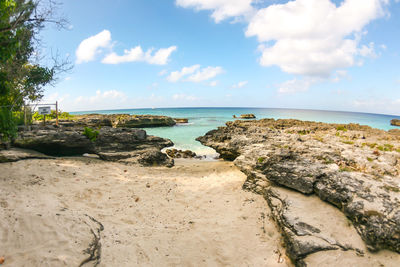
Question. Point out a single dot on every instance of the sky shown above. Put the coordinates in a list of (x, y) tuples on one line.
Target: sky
[(306, 54)]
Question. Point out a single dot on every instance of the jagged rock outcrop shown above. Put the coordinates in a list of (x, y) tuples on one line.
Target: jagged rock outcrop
[(113, 144), (177, 153), (16, 154), (395, 122), (181, 120), (247, 116), (116, 121), (354, 168)]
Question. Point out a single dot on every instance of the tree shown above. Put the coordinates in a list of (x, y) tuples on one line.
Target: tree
[(22, 77)]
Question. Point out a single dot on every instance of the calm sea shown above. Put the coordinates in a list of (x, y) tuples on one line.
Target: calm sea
[(202, 120)]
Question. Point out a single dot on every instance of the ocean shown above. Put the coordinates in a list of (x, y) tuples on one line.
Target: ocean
[(202, 120)]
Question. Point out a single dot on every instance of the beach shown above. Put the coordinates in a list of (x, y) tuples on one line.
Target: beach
[(74, 210)]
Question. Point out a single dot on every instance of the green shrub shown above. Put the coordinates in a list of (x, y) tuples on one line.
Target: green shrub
[(8, 126), (90, 133), (341, 128), (19, 117), (61, 115), (260, 159)]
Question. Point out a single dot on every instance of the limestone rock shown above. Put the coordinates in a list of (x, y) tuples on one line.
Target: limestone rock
[(395, 122), (112, 144), (175, 153), (247, 116), (55, 142), (16, 154), (181, 120), (115, 120), (355, 168)]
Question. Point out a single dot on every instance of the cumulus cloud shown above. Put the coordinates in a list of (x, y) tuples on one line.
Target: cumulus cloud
[(368, 50), (340, 75), (221, 9), (163, 72), (303, 37), (295, 86), (195, 74), (205, 74), (313, 37), (184, 97), (213, 83), (177, 75), (240, 84), (136, 54), (378, 105), (107, 95), (91, 46)]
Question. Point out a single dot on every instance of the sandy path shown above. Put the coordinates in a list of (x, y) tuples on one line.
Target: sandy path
[(194, 214)]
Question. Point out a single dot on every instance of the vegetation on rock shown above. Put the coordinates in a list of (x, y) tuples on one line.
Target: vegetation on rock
[(90, 133)]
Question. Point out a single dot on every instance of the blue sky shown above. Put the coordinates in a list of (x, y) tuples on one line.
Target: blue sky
[(314, 54)]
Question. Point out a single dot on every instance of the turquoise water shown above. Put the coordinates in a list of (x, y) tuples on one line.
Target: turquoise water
[(202, 120)]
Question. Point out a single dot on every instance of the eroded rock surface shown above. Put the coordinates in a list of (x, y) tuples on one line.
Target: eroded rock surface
[(354, 168), (177, 153), (114, 144), (119, 120), (16, 154), (181, 120), (395, 122)]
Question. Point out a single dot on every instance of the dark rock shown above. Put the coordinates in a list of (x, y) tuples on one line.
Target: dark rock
[(247, 116), (55, 142), (16, 154), (112, 144), (155, 158), (115, 120), (395, 122), (175, 153), (181, 120)]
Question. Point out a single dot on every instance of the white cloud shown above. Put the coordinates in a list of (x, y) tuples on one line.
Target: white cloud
[(368, 50), (240, 84), (184, 97), (221, 9), (303, 37), (313, 37), (177, 75), (91, 46), (52, 98), (137, 54), (195, 74), (163, 72), (205, 74), (107, 95), (378, 105), (213, 83), (340, 75), (295, 86), (153, 86)]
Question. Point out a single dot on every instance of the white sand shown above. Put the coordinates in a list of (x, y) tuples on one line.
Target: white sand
[(194, 214)]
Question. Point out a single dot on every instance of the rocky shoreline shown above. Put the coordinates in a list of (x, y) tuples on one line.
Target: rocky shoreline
[(296, 164), (112, 138)]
